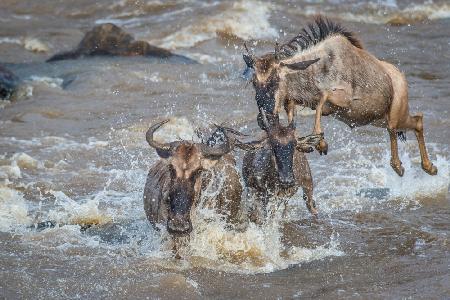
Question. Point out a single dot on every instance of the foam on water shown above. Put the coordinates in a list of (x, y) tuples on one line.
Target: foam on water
[(53, 82), (359, 170), (10, 171), (25, 161), (54, 143), (244, 19), (13, 209), (257, 249), (385, 12), (69, 211), (10, 40), (29, 43), (10, 168), (35, 45), (430, 10)]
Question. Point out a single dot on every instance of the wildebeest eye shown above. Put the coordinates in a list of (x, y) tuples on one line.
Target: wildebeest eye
[(197, 173)]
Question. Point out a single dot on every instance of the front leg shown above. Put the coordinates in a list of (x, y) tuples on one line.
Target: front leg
[(258, 210), (322, 146), (289, 107)]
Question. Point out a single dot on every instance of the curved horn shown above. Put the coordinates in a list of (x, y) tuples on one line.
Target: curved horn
[(248, 51), (163, 149), (277, 51), (218, 151), (249, 58)]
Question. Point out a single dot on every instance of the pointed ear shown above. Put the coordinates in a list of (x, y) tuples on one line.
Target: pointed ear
[(248, 60), (301, 65)]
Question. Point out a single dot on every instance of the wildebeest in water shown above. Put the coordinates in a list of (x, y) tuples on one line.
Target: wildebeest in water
[(277, 168), (175, 182), (326, 68)]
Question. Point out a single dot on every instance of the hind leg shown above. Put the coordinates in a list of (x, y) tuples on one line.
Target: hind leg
[(396, 164), (308, 198), (289, 107), (399, 117), (416, 123)]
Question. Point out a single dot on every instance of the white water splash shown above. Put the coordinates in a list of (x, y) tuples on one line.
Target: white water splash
[(29, 43), (53, 82), (213, 244), (257, 249), (244, 19), (415, 183), (13, 210), (387, 13), (359, 168)]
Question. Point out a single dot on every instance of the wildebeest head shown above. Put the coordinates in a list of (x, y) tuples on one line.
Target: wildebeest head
[(283, 144), (265, 72), (186, 161)]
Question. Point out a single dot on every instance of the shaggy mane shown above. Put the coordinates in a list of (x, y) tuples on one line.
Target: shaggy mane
[(314, 33)]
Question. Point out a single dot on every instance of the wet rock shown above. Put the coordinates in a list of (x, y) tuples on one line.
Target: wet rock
[(8, 83), (110, 40)]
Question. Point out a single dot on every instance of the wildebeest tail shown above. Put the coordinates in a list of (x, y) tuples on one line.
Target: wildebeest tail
[(401, 136)]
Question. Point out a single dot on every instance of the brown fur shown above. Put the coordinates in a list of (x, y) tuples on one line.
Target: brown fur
[(188, 167), (259, 170), (347, 82), (187, 162)]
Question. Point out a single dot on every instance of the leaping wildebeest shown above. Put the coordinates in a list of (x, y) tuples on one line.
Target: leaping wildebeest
[(278, 167), (175, 182), (326, 68)]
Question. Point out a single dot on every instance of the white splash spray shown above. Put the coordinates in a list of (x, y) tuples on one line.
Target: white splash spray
[(244, 19)]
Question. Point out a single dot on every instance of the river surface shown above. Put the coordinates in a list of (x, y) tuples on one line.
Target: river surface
[(72, 151)]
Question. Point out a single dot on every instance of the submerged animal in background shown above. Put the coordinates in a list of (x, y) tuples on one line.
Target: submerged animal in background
[(175, 182), (8, 83), (110, 40), (278, 167), (326, 68)]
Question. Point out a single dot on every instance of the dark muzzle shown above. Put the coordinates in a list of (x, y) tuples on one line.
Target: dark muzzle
[(180, 208), (284, 161), (286, 180), (179, 224)]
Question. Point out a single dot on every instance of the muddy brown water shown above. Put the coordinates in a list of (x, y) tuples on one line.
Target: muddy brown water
[(73, 151)]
